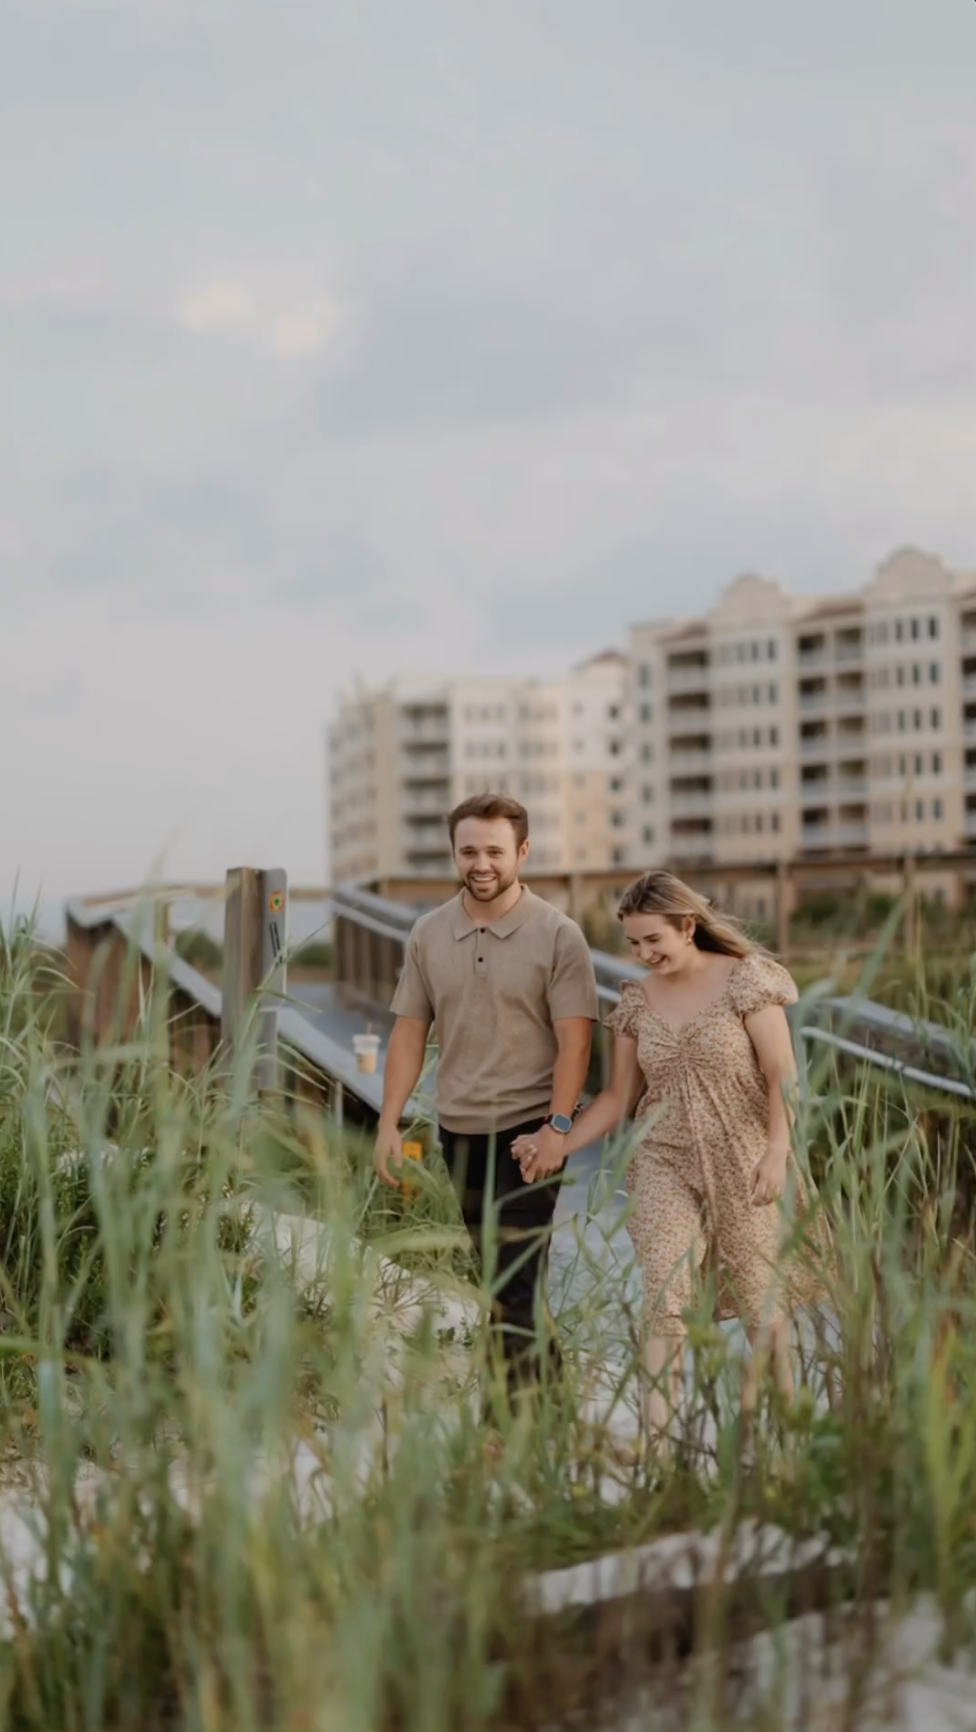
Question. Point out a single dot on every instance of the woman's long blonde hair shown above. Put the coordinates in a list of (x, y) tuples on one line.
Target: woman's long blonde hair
[(662, 893)]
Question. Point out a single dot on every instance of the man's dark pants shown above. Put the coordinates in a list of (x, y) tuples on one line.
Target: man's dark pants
[(490, 1186)]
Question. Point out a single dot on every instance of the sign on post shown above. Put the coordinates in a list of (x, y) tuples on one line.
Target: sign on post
[(274, 934)]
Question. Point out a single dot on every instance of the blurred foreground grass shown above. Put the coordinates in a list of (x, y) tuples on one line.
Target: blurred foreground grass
[(245, 1488)]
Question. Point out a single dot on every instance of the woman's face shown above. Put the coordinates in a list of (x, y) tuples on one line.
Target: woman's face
[(658, 944)]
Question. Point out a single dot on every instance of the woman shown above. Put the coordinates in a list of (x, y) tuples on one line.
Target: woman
[(704, 1042)]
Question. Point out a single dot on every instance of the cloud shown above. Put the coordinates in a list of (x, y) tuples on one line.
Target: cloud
[(303, 330), (218, 309), (231, 309)]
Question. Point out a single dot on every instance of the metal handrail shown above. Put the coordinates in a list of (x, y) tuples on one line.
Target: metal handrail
[(395, 921)]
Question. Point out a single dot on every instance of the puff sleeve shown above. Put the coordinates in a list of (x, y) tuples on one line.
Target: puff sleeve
[(624, 1017), (758, 981)]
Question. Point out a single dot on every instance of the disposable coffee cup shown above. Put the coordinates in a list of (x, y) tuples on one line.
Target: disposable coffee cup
[(367, 1050)]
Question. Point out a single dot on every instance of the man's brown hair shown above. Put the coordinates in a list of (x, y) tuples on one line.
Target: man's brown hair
[(490, 806)]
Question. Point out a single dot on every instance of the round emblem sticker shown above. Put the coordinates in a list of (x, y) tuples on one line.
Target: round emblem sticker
[(276, 902)]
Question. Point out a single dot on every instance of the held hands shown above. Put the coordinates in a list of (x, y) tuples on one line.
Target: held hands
[(389, 1147), (541, 1155), (769, 1178)]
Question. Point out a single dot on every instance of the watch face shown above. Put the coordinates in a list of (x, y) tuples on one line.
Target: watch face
[(561, 1123)]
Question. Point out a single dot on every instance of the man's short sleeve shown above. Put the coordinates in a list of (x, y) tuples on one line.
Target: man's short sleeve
[(572, 983), (412, 997)]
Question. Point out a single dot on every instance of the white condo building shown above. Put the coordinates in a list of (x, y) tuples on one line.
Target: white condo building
[(402, 755), (777, 726)]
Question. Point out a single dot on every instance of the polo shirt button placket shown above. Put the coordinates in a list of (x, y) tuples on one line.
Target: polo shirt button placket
[(480, 961)]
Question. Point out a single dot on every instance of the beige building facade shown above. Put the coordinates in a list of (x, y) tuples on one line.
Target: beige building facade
[(779, 726), (401, 756)]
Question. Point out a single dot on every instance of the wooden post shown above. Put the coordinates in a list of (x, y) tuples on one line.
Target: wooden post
[(575, 898), (242, 951), (783, 909), (254, 957), (911, 906)]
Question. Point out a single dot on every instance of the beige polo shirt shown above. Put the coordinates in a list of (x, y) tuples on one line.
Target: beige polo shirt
[(493, 993)]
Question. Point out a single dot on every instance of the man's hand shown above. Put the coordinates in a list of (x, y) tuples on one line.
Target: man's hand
[(769, 1178), (541, 1155), (388, 1147)]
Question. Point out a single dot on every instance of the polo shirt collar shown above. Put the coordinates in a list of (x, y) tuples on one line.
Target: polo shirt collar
[(509, 923)]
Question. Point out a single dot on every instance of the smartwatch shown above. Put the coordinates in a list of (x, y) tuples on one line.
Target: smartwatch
[(559, 1122)]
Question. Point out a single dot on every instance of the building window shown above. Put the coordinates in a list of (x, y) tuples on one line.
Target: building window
[(916, 674), (613, 711), (647, 794), (771, 649), (774, 736), (899, 676), (899, 630), (775, 821), (918, 721), (938, 809), (936, 720), (644, 674), (649, 834), (774, 694), (935, 673), (647, 712), (933, 625), (920, 811), (647, 754), (757, 694), (901, 721), (774, 778), (915, 628), (936, 763)]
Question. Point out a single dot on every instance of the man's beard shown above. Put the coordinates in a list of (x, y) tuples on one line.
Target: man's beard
[(490, 892)]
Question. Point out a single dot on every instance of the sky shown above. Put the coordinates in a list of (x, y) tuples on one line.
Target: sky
[(353, 337)]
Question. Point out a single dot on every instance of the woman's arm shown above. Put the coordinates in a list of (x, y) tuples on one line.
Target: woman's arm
[(772, 1043), (608, 1110)]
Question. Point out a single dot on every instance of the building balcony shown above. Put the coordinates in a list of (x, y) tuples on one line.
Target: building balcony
[(419, 831), (425, 766), (689, 713), (818, 746), (835, 836), (689, 679), (692, 845), (827, 789), (698, 805), (827, 656), (836, 700), (417, 802), (689, 762)]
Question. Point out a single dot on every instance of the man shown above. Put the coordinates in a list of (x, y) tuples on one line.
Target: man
[(508, 983)]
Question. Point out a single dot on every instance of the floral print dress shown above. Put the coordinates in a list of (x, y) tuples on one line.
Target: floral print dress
[(702, 1126)]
